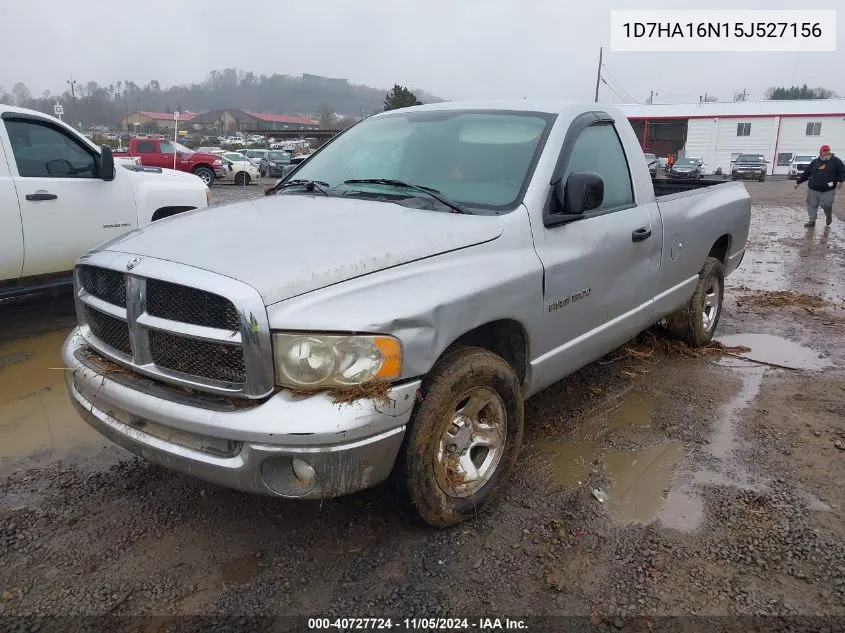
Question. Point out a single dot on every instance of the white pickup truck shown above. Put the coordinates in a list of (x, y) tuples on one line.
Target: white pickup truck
[(61, 195)]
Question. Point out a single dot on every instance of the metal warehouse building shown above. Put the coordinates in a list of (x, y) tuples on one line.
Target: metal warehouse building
[(719, 132)]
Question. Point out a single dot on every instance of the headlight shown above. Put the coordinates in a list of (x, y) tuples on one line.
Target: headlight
[(218, 162), (318, 361)]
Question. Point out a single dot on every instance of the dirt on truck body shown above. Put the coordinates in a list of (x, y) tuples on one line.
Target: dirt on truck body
[(656, 490)]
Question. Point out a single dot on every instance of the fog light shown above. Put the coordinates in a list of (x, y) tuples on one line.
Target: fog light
[(303, 470)]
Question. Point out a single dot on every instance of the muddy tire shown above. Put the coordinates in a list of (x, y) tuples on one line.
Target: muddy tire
[(463, 438), (205, 174), (242, 178), (696, 322)]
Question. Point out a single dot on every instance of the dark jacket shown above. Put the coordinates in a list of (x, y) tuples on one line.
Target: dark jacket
[(823, 174)]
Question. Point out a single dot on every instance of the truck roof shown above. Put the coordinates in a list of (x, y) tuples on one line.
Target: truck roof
[(568, 108)]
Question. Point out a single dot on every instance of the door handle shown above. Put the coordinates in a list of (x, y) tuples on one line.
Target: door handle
[(641, 234), (41, 196)]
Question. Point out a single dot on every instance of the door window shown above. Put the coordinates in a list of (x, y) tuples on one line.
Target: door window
[(599, 150), (166, 147), (43, 151)]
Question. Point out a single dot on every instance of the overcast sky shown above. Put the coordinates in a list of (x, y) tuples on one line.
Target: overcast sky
[(456, 49)]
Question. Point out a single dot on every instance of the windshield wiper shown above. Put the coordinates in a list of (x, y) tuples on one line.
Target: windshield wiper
[(433, 193), (310, 185)]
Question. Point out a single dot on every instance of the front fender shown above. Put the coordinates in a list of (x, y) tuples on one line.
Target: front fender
[(428, 304)]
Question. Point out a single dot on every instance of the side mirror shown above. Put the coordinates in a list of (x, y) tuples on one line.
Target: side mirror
[(583, 192), (106, 163), (59, 168)]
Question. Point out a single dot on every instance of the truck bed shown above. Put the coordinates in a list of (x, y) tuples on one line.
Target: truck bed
[(669, 186)]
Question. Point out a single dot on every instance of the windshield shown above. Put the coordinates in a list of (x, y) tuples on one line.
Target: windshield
[(803, 159), (279, 157), (182, 149), (478, 159), (686, 162), (650, 157), (750, 158), (234, 156)]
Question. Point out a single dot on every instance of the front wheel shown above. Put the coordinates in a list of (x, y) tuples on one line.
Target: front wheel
[(205, 174), (463, 438), (696, 321), (242, 178)]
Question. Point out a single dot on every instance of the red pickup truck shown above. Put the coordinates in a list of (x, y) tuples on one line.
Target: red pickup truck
[(155, 152)]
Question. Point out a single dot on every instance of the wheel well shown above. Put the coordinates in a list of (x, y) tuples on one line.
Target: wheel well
[(719, 250), (201, 166), (166, 212), (505, 338)]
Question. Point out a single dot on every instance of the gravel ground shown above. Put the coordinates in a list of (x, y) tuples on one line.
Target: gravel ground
[(723, 480)]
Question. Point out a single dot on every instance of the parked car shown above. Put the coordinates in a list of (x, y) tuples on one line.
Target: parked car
[(749, 166), (653, 163), (61, 195), (458, 278), (240, 169), (255, 155), (798, 164), (159, 153), (687, 168), (276, 163)]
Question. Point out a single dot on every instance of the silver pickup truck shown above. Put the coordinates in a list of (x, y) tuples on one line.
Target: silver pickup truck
[(385, 310)]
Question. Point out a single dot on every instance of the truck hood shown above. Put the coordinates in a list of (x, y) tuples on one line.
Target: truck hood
[(288, 245), (139, 173)]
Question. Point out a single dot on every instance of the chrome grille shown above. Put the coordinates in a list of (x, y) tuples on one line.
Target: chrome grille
[(105, 284), (182, 325), (189, 305), (111, 331), (200, 358)]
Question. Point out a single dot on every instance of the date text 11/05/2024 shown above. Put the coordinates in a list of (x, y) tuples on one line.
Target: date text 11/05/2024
[(722, 29), (417, 624)]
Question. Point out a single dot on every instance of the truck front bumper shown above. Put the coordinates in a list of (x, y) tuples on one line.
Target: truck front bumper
[(305, 447)]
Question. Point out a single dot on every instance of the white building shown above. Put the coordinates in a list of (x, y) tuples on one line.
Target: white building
[(718, 132)]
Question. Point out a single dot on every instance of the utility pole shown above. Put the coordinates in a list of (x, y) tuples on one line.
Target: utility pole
[(598, 73), (651, 97), (72, 82)]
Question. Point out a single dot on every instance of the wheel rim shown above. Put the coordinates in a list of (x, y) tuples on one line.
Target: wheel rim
[(710, 311), (472, 444), (204, 176)]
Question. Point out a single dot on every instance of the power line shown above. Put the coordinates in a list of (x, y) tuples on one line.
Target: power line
[(619, 91), (618, 85), (611, 88)]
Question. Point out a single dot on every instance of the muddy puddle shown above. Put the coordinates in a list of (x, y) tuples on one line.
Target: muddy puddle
[(640, 479), (684, 508), (35, 412), (786, 256), (656, 482)]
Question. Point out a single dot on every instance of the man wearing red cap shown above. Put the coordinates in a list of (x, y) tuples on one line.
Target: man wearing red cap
[(824, 175)]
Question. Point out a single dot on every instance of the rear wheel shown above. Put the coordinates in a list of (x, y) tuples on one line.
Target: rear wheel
[(205, 174), (696, 321), (463, 438), (242, 178)]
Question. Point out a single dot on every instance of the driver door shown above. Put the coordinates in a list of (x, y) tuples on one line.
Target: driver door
[(66, 208)]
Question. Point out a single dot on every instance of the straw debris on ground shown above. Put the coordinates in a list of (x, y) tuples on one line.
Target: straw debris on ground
[(779, 299), (647, 349)]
